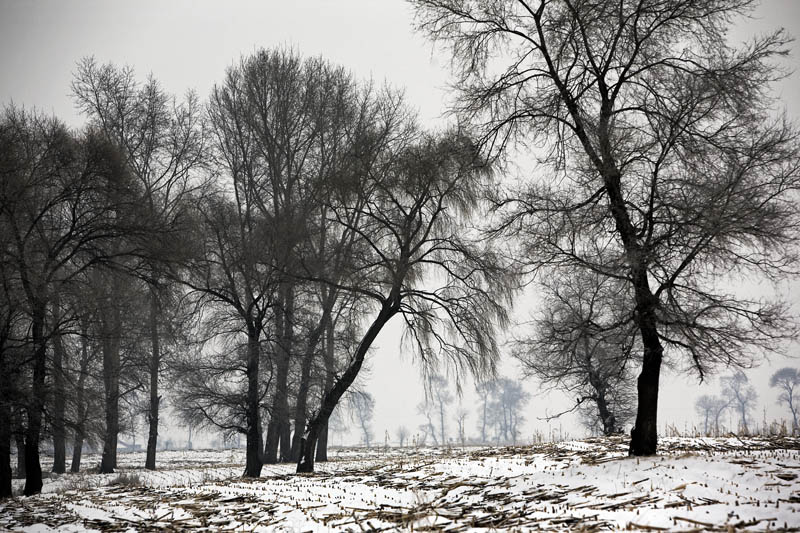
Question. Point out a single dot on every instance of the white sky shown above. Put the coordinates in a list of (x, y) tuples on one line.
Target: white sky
[(187, 44)]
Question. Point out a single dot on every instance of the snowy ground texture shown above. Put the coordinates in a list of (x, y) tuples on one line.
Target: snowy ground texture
[(694, 484)]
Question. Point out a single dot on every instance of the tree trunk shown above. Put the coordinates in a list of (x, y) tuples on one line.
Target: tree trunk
[(253, 461), (330, 370), (322, 444), (111, 371), (644, 435), (155, 364), (599, 385), (80, 407), (33, 468), (59, 397), (6, 422), (19, 441), (305, 382), (389, 308), (5, 443), (278, 430)]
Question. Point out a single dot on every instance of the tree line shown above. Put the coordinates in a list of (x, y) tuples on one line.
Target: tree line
[(738, 398), (248, 249)]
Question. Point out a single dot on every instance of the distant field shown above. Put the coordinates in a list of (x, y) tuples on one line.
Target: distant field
[(695, 484)]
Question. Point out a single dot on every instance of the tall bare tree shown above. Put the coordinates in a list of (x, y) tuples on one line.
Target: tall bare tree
[(234, 276), (659, 149), (408, 206), (163, 143)]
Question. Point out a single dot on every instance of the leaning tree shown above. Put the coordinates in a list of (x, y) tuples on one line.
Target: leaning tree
[(408, 206), (659, 149)]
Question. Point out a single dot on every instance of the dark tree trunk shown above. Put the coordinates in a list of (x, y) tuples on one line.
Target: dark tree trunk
[(33, 468), (599, 384), (19, 441), (644, 435), (6, 422), (278, 430), (322, 444), (307, 446), (111, 371), (330, 374), (59, 398), (80, 407), (253, 460), (5, 444), (300, 406), (155, 399), (305, 383)]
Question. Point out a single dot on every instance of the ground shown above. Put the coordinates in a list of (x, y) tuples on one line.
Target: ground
[(694, 484)]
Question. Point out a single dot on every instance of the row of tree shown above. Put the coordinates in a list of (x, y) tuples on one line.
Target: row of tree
[(249, 250), (500, 414), (281, 224), (738, 397)]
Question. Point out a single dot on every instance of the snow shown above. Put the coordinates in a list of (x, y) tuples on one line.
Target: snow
[(694, 484)]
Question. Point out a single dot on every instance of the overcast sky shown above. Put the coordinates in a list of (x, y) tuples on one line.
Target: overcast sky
[(188, 44)]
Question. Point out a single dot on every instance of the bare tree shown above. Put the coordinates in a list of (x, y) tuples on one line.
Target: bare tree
[(741, 396), (163, 142), (434, 408), (461, 418), (661, 152), (711, 409), (362, 409), (12, 356), (787, 381), (69, 204), (582, 344), (506, 405), (233, 274), (409, 203), (485, 391), (428, 427), (402, 435)]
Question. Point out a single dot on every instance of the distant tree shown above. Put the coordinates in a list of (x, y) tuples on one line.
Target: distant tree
[(428, 428), (441, 398), (506, 408), (711, 409), (664, 165), (485, 390), (461, 418), (741, 396), (402, 435), (434, 408), (85, 395), (362, 410), (787, 381)]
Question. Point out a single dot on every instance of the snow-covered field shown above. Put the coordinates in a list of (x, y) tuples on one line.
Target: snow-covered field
[(693, 485)]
